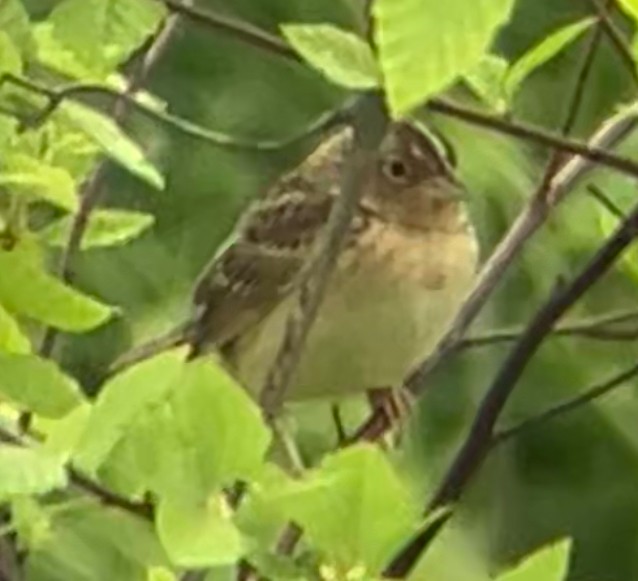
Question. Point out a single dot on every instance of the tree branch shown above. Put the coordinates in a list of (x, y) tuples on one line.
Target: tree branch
[(87, 485), (616, 37), (589, 395), (600, 327), (478, 441), (246, 33), (369, 128)]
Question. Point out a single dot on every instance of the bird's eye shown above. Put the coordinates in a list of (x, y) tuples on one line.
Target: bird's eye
[(396, 170)]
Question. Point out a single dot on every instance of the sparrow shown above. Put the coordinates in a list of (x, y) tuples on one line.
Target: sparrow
[(409, 259)]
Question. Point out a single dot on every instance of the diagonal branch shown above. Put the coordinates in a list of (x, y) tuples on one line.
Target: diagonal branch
[(592, 393), (479, 439), (369, 128)]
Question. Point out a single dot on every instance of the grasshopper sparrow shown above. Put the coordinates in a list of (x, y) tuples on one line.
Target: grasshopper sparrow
[(409, 259)]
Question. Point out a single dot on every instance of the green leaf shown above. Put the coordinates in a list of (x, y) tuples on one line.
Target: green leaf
[(235, 449), (12, 340), (10, 61), (105, 228), (112, 141), (548, 564), (29, 471), (26, 288), (198, 535), (341, 56), (37, 385), (353, 508), (61, 436), (425, 45), (97, 544), (543, 52), (487, 80), (14, 21), (31, 521), (25, 175), (52, 53), (169, 447), (123, 400), (629, 7), (160, 574), (103, 33)]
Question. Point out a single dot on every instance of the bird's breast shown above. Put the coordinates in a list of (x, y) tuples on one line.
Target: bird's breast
[(390, 298)]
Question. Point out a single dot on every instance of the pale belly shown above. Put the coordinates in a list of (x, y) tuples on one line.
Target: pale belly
[(374, 326)]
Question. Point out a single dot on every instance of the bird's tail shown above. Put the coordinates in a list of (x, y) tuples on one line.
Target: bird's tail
[(180, 335)]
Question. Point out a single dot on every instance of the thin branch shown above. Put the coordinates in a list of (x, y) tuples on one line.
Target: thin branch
[(369, 128), (247, 33), (600, 327), (56, 96), (478, 441), (92, 191), (615, 36), (84, 483), (605, 201), (589, 395), (553, 187)]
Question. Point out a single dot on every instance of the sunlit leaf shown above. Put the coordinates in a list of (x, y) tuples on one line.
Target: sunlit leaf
[(487, 81), (544, 51), (630, 7), (208, 396), (353, 508), (93, 542), (31, 521), (56, 55), (425, 45), (29, 471), (10, 61), (105, 228), (12, 339), (342, 56), (199, 535), (14, 21), (25, 175), (26, 288), (112, 141), (37, 385), (102, 33), (122, 401), (548, 564)]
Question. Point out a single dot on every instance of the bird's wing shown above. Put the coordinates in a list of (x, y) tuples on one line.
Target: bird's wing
[(260, 264)]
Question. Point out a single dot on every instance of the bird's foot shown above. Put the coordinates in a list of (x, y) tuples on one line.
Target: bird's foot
[(396, 405)]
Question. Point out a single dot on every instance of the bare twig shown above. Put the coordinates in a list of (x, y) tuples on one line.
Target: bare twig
[(589, 395), (92, 190), (247, 33), (615, 36), (56, 96), (602, 327), (369, 128), (85, 484), (605, 201)]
